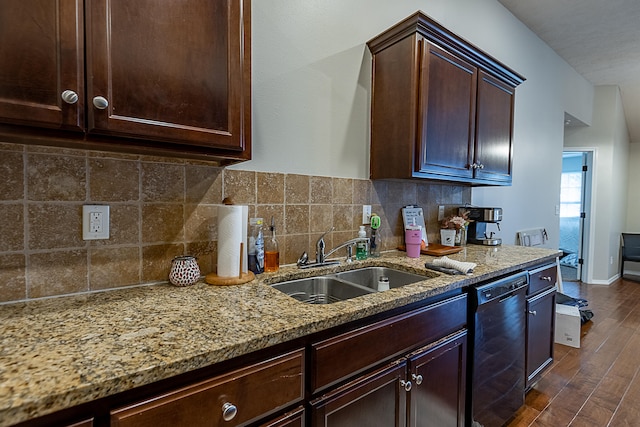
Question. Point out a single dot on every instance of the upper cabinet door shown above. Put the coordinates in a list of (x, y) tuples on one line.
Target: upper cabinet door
[(176, 71), (42, 58), (447, 113), (494, 139)]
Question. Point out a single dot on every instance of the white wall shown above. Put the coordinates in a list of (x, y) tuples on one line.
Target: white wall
[(311, 94), (633, 195), (608, 134), (633, 201)]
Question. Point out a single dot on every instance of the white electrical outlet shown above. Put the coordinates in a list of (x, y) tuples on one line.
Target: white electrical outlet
[(366, 214), (95, 222)]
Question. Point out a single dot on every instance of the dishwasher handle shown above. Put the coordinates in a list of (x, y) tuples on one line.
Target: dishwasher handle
[(487, 294), (505, 297)]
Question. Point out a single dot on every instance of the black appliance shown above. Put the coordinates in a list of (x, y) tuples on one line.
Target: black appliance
[(498, 351)]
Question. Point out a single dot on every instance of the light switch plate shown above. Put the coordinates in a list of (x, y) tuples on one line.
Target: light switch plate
[(95, 222)]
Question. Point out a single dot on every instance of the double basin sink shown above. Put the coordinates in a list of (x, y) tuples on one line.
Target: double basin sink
[(334, 287)]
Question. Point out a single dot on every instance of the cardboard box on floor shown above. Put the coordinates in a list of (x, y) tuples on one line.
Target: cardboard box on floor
[(567, 329)]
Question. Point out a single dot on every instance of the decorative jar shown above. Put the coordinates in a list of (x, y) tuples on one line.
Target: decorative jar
[(184, 271)]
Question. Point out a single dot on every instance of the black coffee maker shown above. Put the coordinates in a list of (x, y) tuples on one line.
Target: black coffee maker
[(482, 219)]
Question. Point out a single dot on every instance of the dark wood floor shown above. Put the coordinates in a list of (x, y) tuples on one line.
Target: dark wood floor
[(599, 383)]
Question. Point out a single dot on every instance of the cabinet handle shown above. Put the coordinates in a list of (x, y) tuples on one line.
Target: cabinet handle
[(229, 411), (100, 102), (480, 166), (546, 278), (69, 96), (406, 385), (533, 312), (417, 378)]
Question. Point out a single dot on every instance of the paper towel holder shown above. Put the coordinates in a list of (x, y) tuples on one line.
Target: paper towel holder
[(242, 277)]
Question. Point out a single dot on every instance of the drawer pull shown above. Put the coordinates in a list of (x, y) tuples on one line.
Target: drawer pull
[(417, 378), (533, 313), (229, 411), (406, 385), (546, 278)]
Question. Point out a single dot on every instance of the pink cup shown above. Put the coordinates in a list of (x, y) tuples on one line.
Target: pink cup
[(412, 240)]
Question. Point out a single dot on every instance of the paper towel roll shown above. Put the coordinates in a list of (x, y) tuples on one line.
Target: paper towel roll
[(232, 230)]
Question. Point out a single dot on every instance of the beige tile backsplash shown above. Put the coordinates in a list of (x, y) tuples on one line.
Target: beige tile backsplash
[(161, 208)]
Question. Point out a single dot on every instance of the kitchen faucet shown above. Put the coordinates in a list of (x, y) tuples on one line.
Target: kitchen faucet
[(321, 256)]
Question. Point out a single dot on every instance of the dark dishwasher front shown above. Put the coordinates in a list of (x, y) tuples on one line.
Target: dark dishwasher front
[(498, 368)]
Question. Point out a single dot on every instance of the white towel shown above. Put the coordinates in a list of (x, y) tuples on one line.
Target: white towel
[(463, 267)]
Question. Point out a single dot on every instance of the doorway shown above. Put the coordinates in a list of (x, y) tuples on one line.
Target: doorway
[(575, 192)]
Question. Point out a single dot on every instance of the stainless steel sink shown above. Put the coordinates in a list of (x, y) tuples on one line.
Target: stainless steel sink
[(341, 286), (321, 290), (370, 276)]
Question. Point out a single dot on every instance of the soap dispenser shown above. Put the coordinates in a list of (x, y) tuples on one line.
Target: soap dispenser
[(362, 249)]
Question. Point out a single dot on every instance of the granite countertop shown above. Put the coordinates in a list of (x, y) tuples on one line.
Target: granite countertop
[(61, 352)]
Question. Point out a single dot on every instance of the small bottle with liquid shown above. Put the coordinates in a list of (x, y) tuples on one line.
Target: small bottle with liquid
[(271, 251)]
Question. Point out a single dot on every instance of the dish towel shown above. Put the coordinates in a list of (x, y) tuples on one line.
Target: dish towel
[(463, 267)]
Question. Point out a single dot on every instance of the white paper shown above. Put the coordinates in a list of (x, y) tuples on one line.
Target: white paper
[(232, 230)]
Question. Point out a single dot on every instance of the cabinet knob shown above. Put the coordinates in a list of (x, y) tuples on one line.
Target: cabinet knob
[(406, 385), (546, 278), (229, 411), (100, 102), (417, 378), (69, 96), (533, 312)]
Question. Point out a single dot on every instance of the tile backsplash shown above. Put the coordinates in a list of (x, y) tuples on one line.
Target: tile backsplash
[(161, 208)]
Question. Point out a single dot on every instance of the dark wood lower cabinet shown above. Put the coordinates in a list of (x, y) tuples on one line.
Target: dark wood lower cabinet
[(427, 387), (236, 399), (540, 334), (376, 399), (438, 374), (294, 418)]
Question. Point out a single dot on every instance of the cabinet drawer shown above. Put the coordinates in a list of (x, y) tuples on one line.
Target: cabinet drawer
[(337, 358), (542, 278), (255, 391), (294, 418)]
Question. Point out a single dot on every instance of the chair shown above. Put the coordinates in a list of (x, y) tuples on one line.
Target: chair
[(630, 249)]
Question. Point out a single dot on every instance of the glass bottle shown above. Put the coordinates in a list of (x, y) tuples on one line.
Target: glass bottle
[(271, 251), (256, 246), (375, 241)]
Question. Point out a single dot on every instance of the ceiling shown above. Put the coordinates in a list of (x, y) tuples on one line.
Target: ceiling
[(599, 39)]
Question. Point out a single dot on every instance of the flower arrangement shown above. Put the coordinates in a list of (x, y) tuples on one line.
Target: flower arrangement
[(457, 222)]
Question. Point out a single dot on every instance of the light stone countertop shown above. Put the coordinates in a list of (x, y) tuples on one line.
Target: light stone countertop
[(61, 352)]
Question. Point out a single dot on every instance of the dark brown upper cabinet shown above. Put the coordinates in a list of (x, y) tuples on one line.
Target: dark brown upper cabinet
[(161, 77), (441, 108), (42, 51)]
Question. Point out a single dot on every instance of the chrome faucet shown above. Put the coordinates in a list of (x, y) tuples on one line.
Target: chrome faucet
[(321, 256), (320, 245)]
